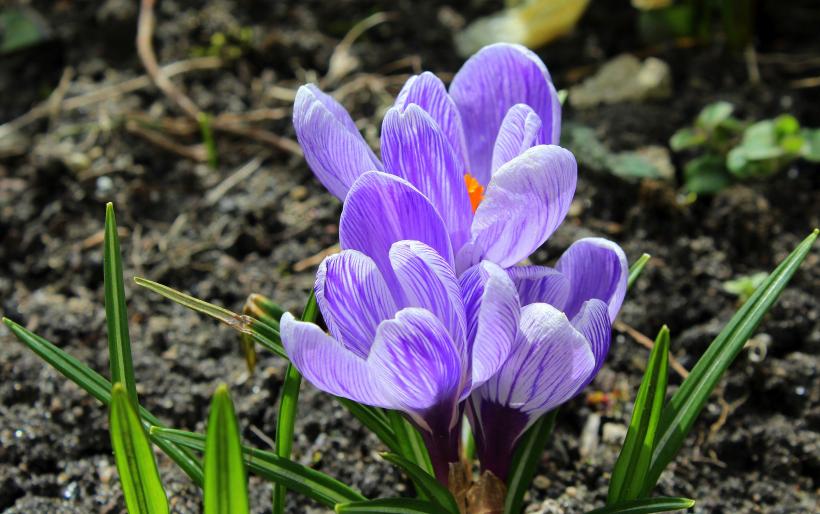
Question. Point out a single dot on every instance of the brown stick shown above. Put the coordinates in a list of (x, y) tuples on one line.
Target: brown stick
[(637, 336)]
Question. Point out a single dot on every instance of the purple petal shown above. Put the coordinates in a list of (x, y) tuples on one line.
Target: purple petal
[(416, 361), (539, 284), (488, 85), (430, 283), (525, 202), (428, 92), (520, 131), (596, 268), (593, 322), (329, 366), (383, 209), (335, 151), (548, 363), (415, 149), (354, 299), (493, 313)]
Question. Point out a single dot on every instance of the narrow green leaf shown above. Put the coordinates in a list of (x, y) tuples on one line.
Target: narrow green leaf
[(262, 307), (375, 419), (410, 442), (467, 439), (646, 506), (287, 410), (433, 490), (269, 466), (636, 269), (137, 468), (525, 461), (633, 462), (226, 485), (116, 316), (100, 388), (391, 506), (244, 324), (679, 415)]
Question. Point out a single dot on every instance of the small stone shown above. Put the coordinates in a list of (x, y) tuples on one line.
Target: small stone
[(77, 162), (624, 79), (541, 482), (614, 433), (299, 193)]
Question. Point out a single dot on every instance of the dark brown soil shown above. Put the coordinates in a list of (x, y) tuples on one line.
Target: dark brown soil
[(756, 446)]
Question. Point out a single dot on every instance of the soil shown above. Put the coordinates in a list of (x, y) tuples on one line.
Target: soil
[(756, 445)]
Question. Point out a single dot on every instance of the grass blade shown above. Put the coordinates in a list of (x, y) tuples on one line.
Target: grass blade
[(679, 415), (116, 316), (410, 442), (432, 489), (633, 462), (294, 476), (525, 460), (137, 468), (100, 388), (261, 308), (226, 485), (286, 419), (636, 269), (244, 324), (391, 506), (375, 419), (646, 506)]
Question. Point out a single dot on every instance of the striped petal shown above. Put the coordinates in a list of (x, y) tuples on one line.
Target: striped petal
[(596, 268), (520, 131)]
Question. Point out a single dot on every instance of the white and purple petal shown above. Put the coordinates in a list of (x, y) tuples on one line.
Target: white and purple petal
[(493, 313), (326, 364), (415, 149), (335, 151), (525, 202), (596, 269), (520, 131), (593, 322), (417, 364), (383, 209), (428, 92), (353, 298), (539, 284), (493, 80)]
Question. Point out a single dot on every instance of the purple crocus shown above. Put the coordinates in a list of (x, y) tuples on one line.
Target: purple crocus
[(480, 154), (561, 337), (394, 309)]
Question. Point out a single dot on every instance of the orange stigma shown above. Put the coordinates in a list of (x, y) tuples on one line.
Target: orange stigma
[(475, 190)]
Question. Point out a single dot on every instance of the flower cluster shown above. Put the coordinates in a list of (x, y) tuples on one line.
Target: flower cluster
[(426, 309)]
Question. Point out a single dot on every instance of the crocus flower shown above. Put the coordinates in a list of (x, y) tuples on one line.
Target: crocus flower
[(394, 309), (479, 154), (561, 337)]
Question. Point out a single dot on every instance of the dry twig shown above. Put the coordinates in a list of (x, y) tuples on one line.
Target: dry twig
[(637, 336), (215, 194)]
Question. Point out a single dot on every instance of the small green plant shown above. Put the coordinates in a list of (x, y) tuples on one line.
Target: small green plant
[(229, 46), (738, 150), (745, 287), (664, 19)]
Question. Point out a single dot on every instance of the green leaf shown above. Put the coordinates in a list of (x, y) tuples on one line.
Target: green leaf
[(391, 506), (706, 174), (226, 485), (467, 439), (792, 144), (646, 506), (786, 125), (286, 420), (736, 161), (244, 324), (116, 316), (269, 466), (680, 414), (760, 142), (713, 114), (431, 487), (812, 149), (410, 442), (686, 138), (636, 269), (136, 466), (633, 463), (375, 419), (265, 307), (100, 388), (525, 461)]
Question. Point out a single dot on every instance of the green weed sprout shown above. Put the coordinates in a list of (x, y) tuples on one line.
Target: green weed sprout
[(745, 287), (737, 150)]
